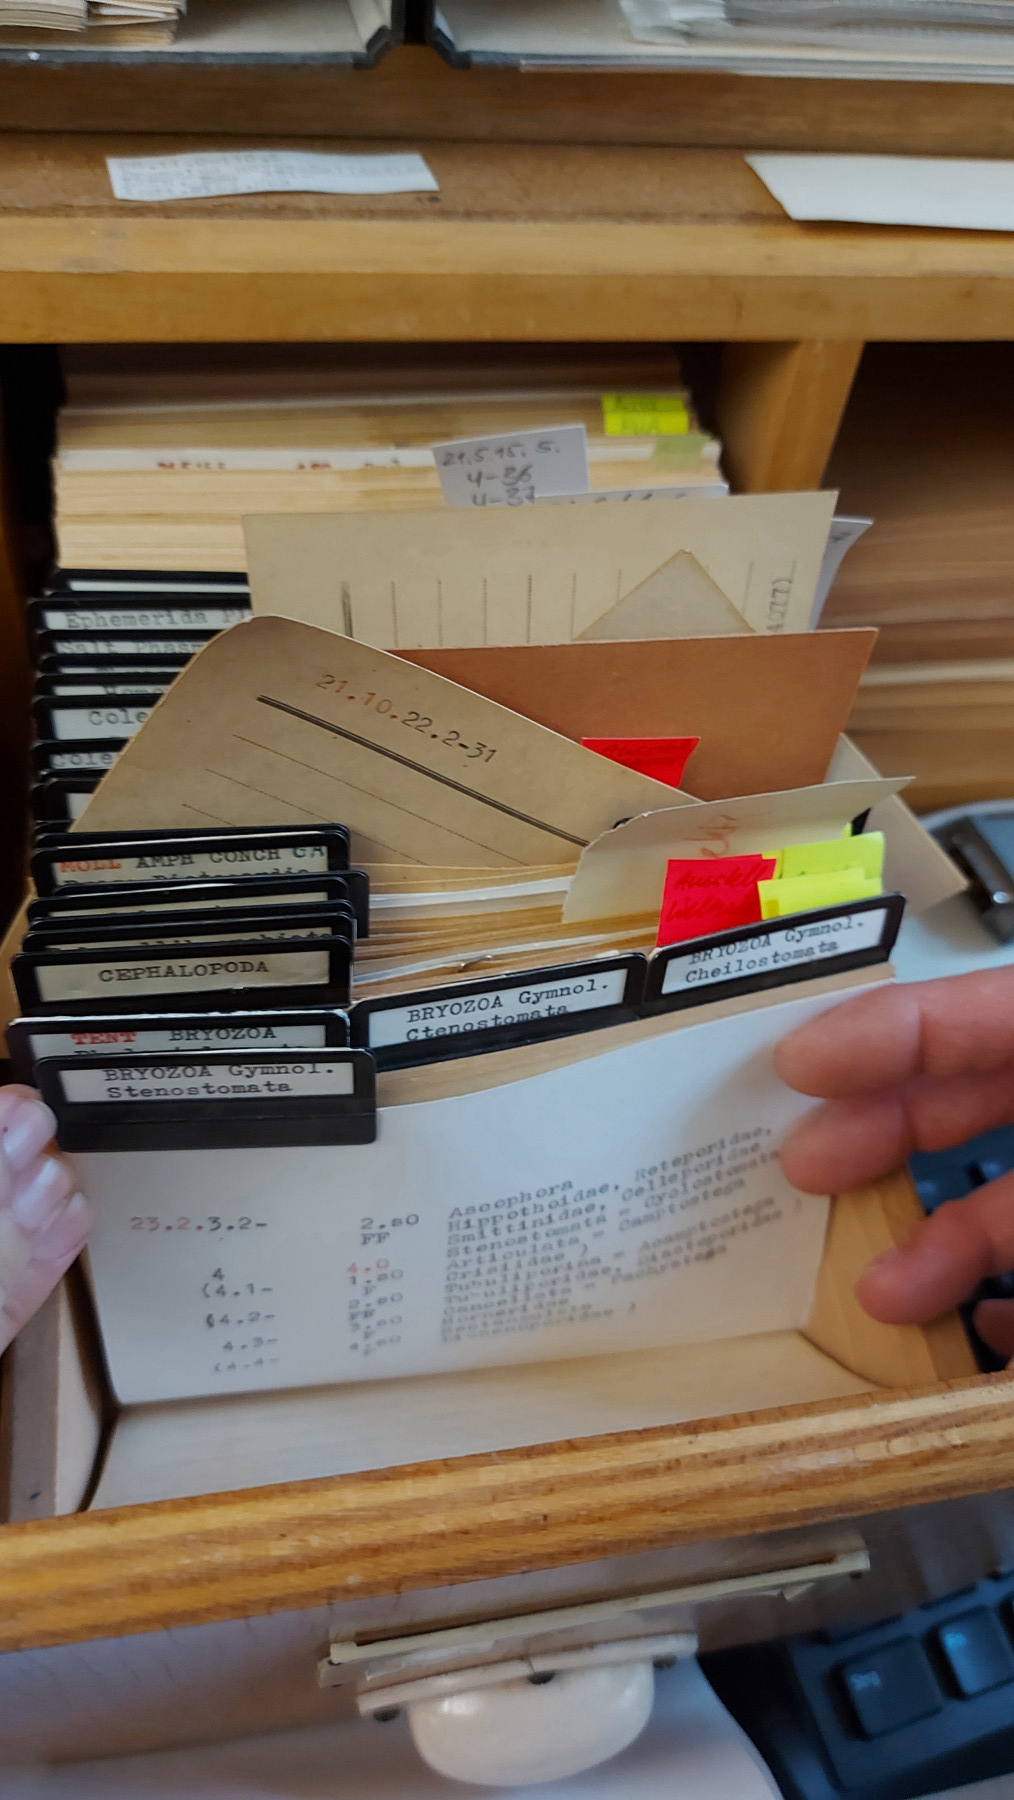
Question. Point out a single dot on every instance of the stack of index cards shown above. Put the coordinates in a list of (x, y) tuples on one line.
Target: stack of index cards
[(107, 644)]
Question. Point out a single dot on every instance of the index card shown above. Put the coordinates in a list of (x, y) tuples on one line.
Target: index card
[(534, 574), (623, 872), (276, 722)]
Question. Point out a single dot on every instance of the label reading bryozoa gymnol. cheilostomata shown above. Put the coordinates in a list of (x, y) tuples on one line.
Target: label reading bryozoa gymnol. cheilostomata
[(774, 950)]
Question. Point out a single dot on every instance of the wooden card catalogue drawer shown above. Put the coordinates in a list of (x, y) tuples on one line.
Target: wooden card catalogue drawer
[(192, 1572)]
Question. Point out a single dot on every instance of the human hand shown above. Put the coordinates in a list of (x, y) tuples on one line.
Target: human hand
[(43, 1220), (918, 1066)]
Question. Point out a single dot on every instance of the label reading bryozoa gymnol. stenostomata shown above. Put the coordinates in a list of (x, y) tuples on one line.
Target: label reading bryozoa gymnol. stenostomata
[(175, 1080), (492, 1008)]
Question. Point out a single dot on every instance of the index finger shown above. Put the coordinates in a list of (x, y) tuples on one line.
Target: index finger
[(959, 1026)]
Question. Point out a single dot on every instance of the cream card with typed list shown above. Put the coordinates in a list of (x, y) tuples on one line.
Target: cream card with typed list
[(279, 723)]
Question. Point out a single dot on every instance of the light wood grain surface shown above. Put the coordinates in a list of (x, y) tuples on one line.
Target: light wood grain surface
[(438, 1524), (645, 245)]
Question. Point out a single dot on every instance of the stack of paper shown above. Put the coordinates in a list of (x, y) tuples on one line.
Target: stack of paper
[(124, 24), (914, 39), (926, 448), (157, 466)]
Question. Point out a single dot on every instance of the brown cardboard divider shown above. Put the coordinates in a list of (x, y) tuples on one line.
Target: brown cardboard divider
[(768, 709)]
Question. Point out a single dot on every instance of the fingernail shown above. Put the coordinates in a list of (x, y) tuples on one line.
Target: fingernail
[(29, 1130), (66, 1235), (36, 1202), (888, 1258)]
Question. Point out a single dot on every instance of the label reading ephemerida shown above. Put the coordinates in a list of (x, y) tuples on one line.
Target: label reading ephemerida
[(287, 1079), (192, 865), (494, 1008), (190, 1037), (152, 618), (774, 949), (177, 974)]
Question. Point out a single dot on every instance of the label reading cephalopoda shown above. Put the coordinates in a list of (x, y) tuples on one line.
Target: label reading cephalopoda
[(192, 865), (287, 1079), (495, 1008), (98, 721), (191, 1038), (774, 949), (179, 974)]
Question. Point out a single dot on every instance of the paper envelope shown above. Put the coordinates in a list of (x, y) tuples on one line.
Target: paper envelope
[(537, 575), (768, 710)]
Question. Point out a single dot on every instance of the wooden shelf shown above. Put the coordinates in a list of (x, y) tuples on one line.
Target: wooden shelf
[(413, 95), (590, 242)]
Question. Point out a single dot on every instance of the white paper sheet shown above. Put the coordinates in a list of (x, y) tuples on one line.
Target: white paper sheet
[(206, 174), (635, 1200), (957, 193)]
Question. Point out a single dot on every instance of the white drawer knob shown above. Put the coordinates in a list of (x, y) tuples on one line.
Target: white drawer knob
[(520, 1732)]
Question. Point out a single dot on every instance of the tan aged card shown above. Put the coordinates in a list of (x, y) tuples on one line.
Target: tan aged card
[(539, 575), (624, 870), (277, 723)]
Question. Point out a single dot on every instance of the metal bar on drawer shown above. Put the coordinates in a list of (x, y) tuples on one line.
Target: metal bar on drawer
[(485, 1635)]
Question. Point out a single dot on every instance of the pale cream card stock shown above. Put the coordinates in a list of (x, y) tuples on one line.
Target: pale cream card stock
[(542, 575)]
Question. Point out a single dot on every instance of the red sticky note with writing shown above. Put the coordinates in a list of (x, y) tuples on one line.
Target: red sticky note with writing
[(664, 759), (711, 893)]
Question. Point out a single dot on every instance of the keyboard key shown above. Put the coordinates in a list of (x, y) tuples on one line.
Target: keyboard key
[(977, 1652), (891, 1687)]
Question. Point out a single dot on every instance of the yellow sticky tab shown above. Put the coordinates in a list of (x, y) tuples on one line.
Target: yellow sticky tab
[(645, 415), (805, 893), (864, 853), (776, 857)]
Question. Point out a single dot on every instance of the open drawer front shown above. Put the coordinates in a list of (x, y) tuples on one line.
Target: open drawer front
[(643, 1448)]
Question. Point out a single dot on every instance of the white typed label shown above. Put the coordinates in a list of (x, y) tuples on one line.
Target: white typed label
[(149, 618), (495, 1008), (203, 175), (90, 760), (235, 934), (192, 1038), (98, 721), (775, 949), (182, 974), (142, 683), (196, 865), (515, 470), (107, 583), (100, 646), (209, 1081), (167, 902)]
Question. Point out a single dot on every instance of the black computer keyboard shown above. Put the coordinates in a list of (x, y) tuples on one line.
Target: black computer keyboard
[(914, 1703)]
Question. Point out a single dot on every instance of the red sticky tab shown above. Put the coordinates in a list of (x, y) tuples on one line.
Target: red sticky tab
[(711, 893), (664, 759)]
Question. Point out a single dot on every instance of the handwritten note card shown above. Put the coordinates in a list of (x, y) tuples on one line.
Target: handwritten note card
[(709, 894), (515, 470), (205, 174)]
